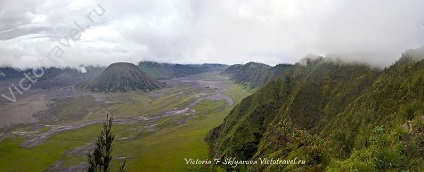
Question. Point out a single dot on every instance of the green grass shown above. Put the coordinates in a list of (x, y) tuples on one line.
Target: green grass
[(16, 158), (166, 150), (161, 150)]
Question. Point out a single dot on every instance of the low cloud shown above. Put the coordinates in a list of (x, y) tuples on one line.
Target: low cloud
[(221, 31)]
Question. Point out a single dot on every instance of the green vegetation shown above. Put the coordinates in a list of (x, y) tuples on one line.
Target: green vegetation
[(255, 74), (99, 160), (337, 117), (41, 157), (166, 150), (158, 145)]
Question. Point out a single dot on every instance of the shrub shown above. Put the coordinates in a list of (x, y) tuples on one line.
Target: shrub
[(410, 113), (99, 160), (379, 129), (386, 158)]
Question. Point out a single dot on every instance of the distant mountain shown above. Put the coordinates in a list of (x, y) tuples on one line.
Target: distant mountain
[(58, 78), (52, 77), (207, 67), (64, 77), (122, 77), (11, 73), (255, 74), (335, 117), (167, 71)]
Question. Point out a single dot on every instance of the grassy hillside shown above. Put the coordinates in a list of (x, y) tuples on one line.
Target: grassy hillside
[(255, 74), (167, 71), (336, 117)]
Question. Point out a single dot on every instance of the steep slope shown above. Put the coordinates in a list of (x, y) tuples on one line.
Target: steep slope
[(337, 117), (255, 74), (122, 77), (167, 71)]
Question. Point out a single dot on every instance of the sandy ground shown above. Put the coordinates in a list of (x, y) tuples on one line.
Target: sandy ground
[(30, 103), (22, 111), (38, 100)]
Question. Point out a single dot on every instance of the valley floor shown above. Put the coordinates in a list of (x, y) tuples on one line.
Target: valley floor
[(53, 130)]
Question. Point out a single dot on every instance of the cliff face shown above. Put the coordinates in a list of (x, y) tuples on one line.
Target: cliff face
[(334, 116)]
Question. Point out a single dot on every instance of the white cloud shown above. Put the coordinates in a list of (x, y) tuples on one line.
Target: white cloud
[(222, 31)]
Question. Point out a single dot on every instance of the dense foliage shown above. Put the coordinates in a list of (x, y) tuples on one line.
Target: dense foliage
[(337, 117)]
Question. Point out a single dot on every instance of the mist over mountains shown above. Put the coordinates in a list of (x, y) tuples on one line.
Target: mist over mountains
[(227, 32)]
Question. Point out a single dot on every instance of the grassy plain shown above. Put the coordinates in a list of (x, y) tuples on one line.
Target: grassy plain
[(148, 146)]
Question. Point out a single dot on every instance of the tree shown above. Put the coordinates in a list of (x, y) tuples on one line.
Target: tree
[(99, 160)]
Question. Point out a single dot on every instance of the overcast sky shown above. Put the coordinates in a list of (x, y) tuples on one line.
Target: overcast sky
[(200, 31)]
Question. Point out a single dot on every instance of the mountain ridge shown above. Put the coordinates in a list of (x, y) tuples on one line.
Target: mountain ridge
[(333, 116), (167, 70), (254, 74)]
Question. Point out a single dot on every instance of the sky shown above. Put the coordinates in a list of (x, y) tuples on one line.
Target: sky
[(74, 33)]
